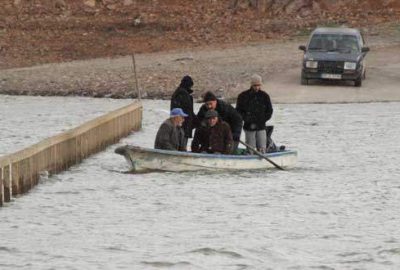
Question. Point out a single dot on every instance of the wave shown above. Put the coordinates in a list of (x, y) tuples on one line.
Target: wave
[(211, 251)]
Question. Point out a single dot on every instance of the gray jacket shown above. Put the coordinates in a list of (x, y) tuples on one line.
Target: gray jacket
[(169, 137)]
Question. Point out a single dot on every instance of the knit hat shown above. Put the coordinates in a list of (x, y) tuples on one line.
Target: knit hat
[(187, 82), (210, 114), (256, 80), (209, 96)]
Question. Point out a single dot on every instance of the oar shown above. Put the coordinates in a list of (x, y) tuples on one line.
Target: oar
[(261, 155)]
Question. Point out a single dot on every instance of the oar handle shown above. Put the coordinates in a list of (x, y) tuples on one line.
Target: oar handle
[(261, 155)]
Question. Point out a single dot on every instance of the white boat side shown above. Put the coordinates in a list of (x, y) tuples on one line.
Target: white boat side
[(146, 159)]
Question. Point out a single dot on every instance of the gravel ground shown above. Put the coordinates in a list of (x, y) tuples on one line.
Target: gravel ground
[(223, 70)]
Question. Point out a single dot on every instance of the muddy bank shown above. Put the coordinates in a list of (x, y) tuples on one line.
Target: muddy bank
[(56, 31), (224, 70)]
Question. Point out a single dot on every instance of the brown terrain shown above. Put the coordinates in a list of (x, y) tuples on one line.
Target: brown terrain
[(220, 43)]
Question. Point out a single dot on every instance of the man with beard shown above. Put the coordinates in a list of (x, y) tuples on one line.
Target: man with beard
[(214, 138), (255, 107), (226, 113), (170, 135)]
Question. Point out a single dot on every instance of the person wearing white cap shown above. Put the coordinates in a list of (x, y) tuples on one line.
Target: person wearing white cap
[(254, 105), (170, 135)]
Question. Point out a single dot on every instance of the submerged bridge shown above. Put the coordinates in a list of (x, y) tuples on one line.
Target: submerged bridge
[(20, 171)]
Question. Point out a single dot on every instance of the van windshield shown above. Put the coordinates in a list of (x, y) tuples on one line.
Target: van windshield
[(334, 42)]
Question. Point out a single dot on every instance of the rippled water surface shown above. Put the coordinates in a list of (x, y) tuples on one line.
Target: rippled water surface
[(27, 120), (337, 209)]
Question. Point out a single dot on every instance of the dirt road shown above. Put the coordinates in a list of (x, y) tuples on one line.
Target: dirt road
[(225, 71), (382, 83)]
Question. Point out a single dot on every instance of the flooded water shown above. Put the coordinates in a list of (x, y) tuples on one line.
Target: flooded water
[(28, 120), (337, 209)]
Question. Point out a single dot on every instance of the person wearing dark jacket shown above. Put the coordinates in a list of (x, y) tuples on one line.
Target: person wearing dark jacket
[(254, 105), (215, 137), (182, 98), (226, 113), (170, 135)]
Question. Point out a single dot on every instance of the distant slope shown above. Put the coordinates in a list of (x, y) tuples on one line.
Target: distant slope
[(42, 31)]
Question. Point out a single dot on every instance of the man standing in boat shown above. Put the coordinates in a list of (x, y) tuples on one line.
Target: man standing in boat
[(215, 137), (254, 105), (170, 135), (182, 98), (226, 112)]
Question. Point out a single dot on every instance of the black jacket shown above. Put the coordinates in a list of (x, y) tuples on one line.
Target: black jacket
[(228, 114), (183, 99), (255, 108)]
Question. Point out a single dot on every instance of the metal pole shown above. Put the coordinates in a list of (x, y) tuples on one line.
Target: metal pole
[(136, 80)]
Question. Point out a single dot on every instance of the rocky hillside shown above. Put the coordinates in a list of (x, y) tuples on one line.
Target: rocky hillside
[(42, 31)]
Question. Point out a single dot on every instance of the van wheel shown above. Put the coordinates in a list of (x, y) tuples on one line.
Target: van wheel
[(358, 82)]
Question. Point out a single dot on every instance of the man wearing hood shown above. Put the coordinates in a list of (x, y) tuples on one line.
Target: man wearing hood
[(182, 98)]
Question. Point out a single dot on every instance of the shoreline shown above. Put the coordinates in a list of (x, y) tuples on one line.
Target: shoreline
[(225, 71)]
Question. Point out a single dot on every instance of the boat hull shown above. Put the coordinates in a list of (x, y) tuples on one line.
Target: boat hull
[(146, 159)]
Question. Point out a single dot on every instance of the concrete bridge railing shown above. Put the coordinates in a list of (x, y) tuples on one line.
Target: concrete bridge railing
[(20, 171)]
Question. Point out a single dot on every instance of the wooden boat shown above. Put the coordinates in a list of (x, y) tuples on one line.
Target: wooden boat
[(146, 159)]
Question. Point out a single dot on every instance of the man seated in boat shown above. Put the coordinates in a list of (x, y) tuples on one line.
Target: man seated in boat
[(170, 135), (215, 137), (226, 113)]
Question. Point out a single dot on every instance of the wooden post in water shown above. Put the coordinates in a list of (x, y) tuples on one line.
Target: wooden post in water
[(7, 183), (136, 79), (1, 187), (14, 178)]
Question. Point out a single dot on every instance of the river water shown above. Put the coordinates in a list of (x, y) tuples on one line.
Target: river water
[(28, 120), (337, 209)]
